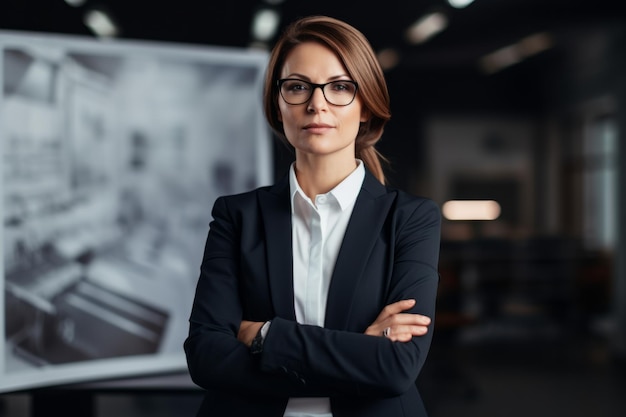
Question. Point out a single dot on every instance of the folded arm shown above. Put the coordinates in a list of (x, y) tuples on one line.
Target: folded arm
[(327, 362), (354, 362)]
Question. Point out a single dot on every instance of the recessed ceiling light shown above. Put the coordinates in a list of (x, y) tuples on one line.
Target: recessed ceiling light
[(265, 24), (459, 4), (388, 58), (76, 3), (100, 23), (426, 27)]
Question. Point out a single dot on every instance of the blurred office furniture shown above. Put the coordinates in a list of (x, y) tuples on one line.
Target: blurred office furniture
[(516, 288)]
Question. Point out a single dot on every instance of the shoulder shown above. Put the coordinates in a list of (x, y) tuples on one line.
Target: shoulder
[(269, 197), (409, 207), (243, 201), (409, 201), (244, 197), (402, 205)]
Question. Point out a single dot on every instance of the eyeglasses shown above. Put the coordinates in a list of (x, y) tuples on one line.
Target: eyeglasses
[(338, 93)]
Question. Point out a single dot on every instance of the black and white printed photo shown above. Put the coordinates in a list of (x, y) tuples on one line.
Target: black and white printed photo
[(112, 155)]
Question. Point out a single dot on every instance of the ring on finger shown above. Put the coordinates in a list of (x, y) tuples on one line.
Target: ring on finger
[(387, 331)]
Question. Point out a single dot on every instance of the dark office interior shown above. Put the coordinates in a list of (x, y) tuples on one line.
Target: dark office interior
[(522, 102)]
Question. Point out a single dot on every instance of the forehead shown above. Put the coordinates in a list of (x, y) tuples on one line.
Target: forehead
[(313, 59)]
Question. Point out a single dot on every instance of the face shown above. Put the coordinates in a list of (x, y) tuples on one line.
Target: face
[(318, 128)]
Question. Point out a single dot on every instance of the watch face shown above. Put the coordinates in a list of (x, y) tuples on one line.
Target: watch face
[(257, 344)]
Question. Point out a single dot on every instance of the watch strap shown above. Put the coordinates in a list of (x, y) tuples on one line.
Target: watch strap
[(257, 343)]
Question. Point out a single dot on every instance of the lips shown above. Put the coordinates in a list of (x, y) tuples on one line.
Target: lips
[(317, 126)]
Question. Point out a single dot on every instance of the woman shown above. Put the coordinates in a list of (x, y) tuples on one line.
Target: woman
[(316, 294)]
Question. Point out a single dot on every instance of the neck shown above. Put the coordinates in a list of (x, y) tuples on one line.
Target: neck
[(320, 175)]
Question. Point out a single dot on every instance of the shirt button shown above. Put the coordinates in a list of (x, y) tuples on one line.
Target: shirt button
[(321, 199)]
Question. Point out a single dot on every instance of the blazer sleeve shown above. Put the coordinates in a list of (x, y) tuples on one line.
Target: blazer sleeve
[(350, 362), (215, 358)]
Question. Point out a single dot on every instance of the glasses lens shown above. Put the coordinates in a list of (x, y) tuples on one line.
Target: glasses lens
[(339, 93), (295, 91)]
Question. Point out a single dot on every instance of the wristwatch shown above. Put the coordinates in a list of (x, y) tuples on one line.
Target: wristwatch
[(257, 343)]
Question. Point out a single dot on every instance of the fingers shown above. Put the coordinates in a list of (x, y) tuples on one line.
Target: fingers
[(408, 319), (402, 326), (395, 308), (405, 333), (405, 319)]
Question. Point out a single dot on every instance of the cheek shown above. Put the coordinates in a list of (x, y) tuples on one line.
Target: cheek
[(283, 113), (355, 120), (352, 130), (286, 118), (279, 114)]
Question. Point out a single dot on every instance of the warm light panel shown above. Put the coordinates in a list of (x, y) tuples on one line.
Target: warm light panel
[(471, 210)]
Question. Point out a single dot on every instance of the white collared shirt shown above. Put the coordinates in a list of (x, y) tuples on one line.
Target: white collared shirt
[(318, 229)]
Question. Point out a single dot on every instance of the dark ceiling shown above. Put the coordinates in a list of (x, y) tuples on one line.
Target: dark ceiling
[(480, 28)]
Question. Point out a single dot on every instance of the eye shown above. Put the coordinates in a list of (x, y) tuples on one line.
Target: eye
[(343, 86), (296, 86)]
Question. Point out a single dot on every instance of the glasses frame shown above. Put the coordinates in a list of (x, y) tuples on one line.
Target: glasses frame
[(281, 81)]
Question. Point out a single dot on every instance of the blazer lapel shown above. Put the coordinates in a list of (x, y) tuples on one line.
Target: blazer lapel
[(368, 215), (276, 214)]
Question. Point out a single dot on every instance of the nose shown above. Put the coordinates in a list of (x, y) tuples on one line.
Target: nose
[(317, 100)]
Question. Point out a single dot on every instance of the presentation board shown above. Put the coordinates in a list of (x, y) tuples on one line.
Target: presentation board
[(112, 155)]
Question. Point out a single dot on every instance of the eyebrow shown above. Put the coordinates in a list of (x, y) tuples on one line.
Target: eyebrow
[(305, 78)]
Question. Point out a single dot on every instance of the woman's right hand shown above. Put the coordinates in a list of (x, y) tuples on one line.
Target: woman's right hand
[(402, 326)]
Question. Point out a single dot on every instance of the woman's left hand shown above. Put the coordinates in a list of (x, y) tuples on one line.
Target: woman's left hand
[(247, 331), (398, 326)]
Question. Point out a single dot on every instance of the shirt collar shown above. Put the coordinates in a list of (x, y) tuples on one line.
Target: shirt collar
[(345, 192)]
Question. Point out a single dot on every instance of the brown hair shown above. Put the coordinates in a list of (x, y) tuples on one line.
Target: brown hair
[(356, 54)]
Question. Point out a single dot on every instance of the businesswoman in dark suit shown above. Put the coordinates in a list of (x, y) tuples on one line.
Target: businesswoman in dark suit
[(316, 295)]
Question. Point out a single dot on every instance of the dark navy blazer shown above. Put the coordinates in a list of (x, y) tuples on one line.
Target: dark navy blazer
[(389, 253)]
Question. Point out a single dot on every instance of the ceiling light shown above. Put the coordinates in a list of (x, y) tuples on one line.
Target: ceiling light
[(75, 3), (502, 58), (427, 27), (459, 4), (471, 210), (100, 23), (388, 58), (534, 44), (512, 54), (265, 24)]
